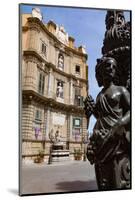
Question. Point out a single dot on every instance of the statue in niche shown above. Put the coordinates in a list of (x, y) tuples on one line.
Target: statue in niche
[(61, 61), (59, 91), (109, 145)]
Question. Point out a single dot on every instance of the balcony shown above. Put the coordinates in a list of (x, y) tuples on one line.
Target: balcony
[(77, 101), (47, 96)]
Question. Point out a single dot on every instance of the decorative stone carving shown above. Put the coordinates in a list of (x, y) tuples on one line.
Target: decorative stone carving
[(117, 33), (82, 49), (117, 45), (33, 25), (61, 34), (30, 58), (59, 119), (36, 13)]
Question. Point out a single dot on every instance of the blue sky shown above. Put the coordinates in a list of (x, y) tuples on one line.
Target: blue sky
[(87, 26)]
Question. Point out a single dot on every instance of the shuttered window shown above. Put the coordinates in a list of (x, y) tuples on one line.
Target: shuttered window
[(38, 115), (43, 49), (41, 83)]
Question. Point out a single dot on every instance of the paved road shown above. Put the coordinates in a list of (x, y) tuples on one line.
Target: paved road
[(65, 177)]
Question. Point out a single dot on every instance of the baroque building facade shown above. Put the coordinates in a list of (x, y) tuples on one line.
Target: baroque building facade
[(54, 82)]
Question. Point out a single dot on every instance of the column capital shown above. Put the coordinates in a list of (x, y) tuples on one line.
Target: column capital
[(50, 70)]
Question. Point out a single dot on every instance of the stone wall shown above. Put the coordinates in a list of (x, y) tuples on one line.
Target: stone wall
[(55, 115)]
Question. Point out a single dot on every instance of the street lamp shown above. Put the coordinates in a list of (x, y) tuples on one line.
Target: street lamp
[(51, 137), (50, 156), (85, 141)]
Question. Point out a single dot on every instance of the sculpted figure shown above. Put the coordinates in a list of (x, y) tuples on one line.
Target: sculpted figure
[(109, 144), (59, 91), (55, 138), (61, 61)]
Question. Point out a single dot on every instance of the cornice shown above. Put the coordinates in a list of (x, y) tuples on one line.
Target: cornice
[(28, 53), (35, 20), (30, 95), (33, 53)]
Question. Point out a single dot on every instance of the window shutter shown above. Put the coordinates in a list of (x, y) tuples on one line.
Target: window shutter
[(43, 48), (38, 115), (43, 80), (77, 91), (81, 100), (41, 83), (73, 122)]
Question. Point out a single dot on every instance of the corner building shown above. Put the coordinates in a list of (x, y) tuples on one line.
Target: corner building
[(54, 82)]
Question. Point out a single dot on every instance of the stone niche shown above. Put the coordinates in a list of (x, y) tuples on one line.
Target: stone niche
[(59, 152)]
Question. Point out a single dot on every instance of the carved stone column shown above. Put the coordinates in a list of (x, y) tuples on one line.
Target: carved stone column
[(29, 76), (48, 123), (70, 126), (71, 92), (50, 83), (33, 39), (33, 36)]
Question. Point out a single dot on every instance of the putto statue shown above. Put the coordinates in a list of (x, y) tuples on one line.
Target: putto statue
[(109, 146)]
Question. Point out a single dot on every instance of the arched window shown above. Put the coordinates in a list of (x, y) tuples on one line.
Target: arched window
[(60, 61)]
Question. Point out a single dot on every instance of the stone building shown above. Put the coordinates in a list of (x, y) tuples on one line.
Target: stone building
[(54, 82)]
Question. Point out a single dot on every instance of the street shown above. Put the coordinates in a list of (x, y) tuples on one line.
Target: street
[(71, 176)]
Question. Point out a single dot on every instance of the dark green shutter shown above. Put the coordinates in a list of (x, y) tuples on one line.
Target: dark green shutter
[(41, 83)]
